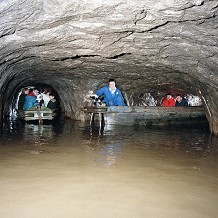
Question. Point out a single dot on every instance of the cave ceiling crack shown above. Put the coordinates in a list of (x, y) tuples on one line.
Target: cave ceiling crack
[(140, 15), (87, 56), (124, 34), (128, 33), (9, 32), (119, 55), (17, 60), (75, 57), (171, 21)]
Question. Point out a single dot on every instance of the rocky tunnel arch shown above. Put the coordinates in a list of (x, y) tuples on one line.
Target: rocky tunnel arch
[(72, 90), (43, 88), (75, 47)]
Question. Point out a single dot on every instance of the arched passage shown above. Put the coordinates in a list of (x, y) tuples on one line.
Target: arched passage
[(146, 46), (43, 88), (71, 90)]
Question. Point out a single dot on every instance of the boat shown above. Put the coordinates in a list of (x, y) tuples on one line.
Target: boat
[(37, 113), (147, 115)]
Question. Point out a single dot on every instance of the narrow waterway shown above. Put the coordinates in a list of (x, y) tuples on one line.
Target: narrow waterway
[(66, 169)]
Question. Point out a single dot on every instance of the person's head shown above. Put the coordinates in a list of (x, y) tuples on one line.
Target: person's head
[(179, 97), (112, 84), (51, 96), (35, 91), (169, 96), (25, 91), (47, 91)]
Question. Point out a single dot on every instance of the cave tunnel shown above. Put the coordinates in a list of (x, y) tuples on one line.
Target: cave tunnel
[(43, 88), (68, 168), (77, 48)]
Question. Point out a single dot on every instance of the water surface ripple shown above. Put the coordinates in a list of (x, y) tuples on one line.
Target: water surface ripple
[(67, 169)]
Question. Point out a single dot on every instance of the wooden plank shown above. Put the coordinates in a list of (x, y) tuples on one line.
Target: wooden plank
[(41, 118), (37, 114), (150, 115), (151, 119), (138, 109)]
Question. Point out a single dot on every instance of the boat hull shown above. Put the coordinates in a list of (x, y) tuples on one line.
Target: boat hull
[(150, 115), (37, 114)]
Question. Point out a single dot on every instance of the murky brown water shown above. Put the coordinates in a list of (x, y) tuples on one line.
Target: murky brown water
[(66, 170)]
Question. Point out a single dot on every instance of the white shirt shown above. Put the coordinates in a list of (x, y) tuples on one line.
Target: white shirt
[(46, 99), (112, 91)]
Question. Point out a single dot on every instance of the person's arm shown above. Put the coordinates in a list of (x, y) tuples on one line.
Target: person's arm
[(100, 91), (34, 102)]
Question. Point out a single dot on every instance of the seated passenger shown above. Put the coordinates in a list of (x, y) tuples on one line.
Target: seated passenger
[(30, 99), (180, 101), (45, 96), (112, 95), (25, 92), (169, 101), (52, 104), (194, 100)]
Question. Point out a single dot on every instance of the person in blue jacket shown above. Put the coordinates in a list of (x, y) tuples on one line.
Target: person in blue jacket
[(30, 99), (112, 95)]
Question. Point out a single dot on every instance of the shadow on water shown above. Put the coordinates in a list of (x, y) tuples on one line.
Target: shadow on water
[(128, 170), (110, 140)]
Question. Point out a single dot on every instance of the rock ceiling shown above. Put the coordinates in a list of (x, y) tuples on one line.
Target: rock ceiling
[(75, 46)]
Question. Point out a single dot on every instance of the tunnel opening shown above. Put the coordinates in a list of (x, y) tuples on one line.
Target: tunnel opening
[(145, 89), (70, 94), (45, 98)]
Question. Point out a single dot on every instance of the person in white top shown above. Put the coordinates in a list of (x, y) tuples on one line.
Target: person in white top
[(45, 97)]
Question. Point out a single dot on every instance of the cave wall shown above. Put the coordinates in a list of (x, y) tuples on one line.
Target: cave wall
[(76, 46)]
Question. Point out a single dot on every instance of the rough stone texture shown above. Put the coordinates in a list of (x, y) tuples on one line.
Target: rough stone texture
[(75, 46)]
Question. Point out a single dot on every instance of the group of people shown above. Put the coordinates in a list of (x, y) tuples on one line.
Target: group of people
[(169, 101), (32, 97), (113, 97)]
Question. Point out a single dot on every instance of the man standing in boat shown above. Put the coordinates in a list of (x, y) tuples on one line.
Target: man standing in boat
[(112, 95)]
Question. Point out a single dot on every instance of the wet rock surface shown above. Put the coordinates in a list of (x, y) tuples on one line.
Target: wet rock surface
[(76, 46)]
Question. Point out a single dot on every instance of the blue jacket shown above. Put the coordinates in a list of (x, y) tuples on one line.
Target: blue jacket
[(110, 99), (30, 101)]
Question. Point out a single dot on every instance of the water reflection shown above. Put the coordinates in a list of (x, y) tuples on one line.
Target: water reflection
[(128, 171), (169, 142), (39, 134), (109, 154), (103, 152), (106, 146)]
